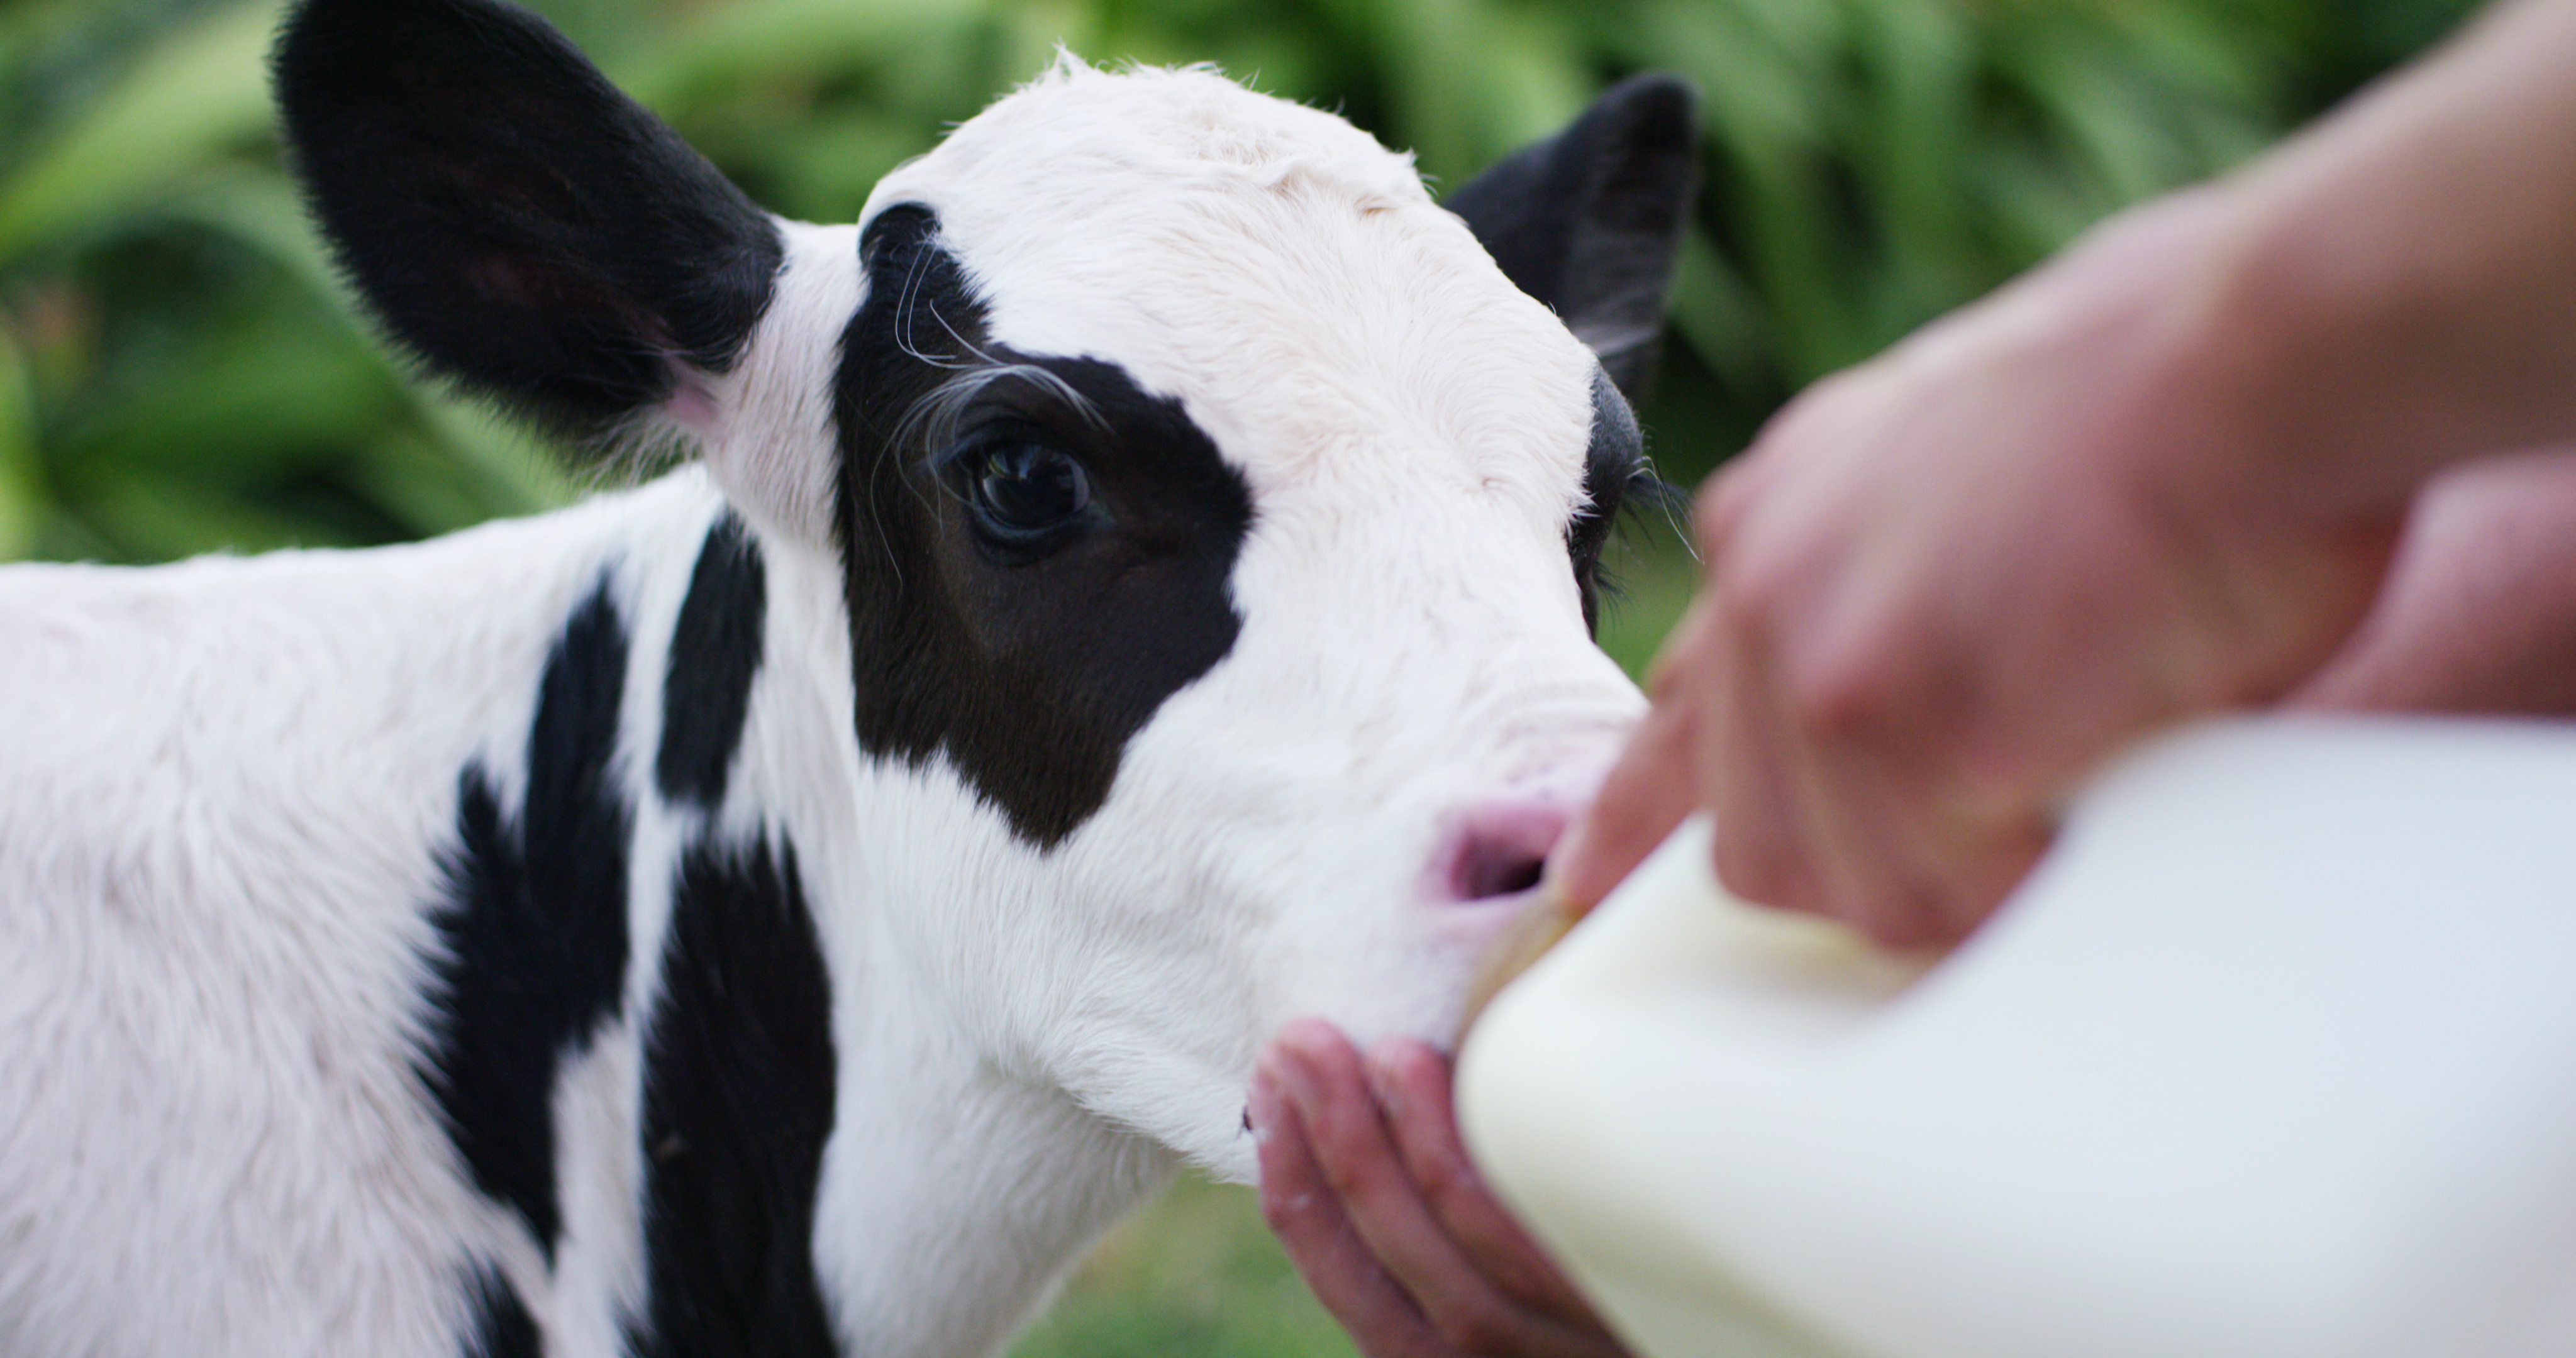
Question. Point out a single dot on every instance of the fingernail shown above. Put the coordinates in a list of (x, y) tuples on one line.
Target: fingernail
[(1291, 1083), (1303, 1032)]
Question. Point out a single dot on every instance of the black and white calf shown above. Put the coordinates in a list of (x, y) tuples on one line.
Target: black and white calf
[(1134, 591)]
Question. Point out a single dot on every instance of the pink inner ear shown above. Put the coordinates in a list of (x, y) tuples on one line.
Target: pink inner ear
[(691, 404)]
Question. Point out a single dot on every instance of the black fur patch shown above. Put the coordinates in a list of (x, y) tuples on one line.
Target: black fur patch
[(534, 926), (1614, 467), (502, 1326), (738, 1089), (1590, 220), (1030, 675), (715, 652), (517, 223)]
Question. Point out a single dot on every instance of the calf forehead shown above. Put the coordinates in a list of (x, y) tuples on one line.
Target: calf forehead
[(1279, 272)]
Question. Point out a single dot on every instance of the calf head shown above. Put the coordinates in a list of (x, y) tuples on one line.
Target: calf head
[(1214, 515)]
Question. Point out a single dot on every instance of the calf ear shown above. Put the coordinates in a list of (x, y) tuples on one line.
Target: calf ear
[(517, 223), (1589, 220)]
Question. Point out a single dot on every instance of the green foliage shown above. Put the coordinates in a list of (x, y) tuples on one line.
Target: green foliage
[(178, 372), (191, 376), (1194, 1274)]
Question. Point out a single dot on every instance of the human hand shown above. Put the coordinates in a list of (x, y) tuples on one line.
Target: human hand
[(2157, 477), (1365, 1182), (1944, 586)]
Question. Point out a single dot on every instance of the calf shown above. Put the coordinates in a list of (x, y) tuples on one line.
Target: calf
[(1134, 590)]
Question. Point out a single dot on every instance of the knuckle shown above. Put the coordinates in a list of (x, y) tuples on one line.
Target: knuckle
[(1359, 1184), (1347, 1183), (1845, 698), (1342, 1139), (1443, 1178), (1451, 1199)]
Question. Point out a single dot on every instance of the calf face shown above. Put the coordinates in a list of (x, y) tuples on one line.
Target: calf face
[(1216, 522)]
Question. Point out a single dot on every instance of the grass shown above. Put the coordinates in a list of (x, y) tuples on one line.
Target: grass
[(1194, 1272), (1654, 575)]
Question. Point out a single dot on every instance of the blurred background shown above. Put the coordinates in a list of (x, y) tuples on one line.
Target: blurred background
[(180, 372)]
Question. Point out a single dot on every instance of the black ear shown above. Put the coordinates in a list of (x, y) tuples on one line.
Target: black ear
[(515, 221), (1589, 220)]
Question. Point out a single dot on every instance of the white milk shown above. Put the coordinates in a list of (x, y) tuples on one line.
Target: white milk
[(2274, 1056)]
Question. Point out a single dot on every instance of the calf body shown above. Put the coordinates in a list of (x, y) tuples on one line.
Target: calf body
[(416, 980), (1135, 592)]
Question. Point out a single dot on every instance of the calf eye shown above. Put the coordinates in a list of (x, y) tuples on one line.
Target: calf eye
[(1022, 494)]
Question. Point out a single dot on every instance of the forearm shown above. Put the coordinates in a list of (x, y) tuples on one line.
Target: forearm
[(2398, 291)]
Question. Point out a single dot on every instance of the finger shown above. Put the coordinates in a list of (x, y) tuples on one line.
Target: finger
[(1918, 840), (1894, 849), (1319, 1238), (1655, 784), (1878, 870), (1322, 1075), (1645, 795), (1870, 864), (1412, 1085), (1986, 875), (1744, 783)]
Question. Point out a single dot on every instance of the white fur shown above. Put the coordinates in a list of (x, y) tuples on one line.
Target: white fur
[(229, 781)]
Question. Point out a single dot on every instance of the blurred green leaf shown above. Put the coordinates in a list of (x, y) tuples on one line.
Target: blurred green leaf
[(21, 491), (131, 510), (505, 470), (1870, 164), (1532, 78), (1718, 314), (725, 46), (276, 394), (202, 90)]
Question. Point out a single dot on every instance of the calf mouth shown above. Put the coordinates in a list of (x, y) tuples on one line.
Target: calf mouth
[(1547, 918)]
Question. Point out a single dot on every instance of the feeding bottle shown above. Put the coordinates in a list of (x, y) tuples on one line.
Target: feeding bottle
[(2273, 1056)]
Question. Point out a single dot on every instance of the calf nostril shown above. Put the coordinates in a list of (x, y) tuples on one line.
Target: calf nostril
[(1499, 846), (1489, 869)]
